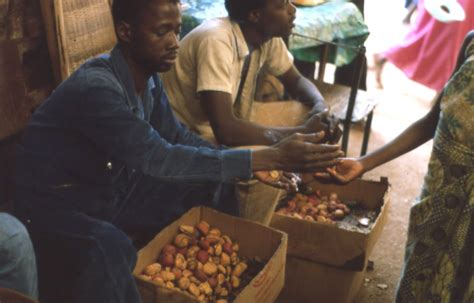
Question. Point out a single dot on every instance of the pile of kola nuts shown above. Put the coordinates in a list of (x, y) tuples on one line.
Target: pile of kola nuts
[(316, 207), (200, 261)]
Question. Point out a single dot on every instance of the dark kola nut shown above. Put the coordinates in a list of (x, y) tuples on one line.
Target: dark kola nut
[(204, 244), (182, 251), (166, 260), (202, 256), (213, 282), (168, 248), (227, 248), (181, 240), (200, 275), (203, 227)]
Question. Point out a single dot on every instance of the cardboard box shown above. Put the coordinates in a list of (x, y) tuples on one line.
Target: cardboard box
[(309, 282), (254, 240), (330, 245)]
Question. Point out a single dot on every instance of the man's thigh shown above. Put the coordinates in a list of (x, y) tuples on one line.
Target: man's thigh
[(79, 256), (153, 204)]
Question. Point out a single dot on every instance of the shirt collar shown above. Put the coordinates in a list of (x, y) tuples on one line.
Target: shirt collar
[(124, 75), (241, 44)]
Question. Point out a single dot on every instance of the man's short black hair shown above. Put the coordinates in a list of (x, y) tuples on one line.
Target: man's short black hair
[(239, 10), (128, 10)]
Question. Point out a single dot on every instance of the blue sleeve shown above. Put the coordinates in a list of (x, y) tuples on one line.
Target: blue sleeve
[(106, 119), (162, 118)]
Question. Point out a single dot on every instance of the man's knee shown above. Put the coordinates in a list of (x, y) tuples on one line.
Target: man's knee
[(15, 242), (115, 245), (18, 262)]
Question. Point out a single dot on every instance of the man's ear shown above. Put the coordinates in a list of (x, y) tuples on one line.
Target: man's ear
[(124, 31), (254, 16)]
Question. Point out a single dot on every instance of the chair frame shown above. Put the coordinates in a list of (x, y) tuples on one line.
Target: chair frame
[(359, 60)]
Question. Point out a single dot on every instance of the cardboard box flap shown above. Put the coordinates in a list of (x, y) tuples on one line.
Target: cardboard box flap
[(321, 242), (328, 244), (262, 287), (254, 240), (369, 193), (311, 282)]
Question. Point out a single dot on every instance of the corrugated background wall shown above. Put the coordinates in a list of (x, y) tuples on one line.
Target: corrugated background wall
[(25, 77)]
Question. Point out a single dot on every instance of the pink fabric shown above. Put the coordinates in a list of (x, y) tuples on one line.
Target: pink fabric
[(428, 53)]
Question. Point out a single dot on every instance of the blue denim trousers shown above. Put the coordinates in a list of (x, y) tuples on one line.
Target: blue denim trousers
[(17, 257), (84, 258)]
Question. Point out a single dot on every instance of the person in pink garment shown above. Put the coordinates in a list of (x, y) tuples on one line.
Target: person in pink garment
[(427, 54)]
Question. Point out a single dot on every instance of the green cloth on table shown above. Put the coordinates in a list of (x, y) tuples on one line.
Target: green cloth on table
[(336, 20)]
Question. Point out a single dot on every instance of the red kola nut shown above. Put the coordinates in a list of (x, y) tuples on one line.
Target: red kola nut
[(181, 240), (171, 249), (202, 256), (166, 260), (213, 282), (204, 244), (183, 251), (227, 248), (200, 275), (203, 228)]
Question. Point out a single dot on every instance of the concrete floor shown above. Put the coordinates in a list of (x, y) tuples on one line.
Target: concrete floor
[(401, 103)]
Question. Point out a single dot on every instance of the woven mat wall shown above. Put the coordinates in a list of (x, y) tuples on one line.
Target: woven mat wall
[(85, 29)]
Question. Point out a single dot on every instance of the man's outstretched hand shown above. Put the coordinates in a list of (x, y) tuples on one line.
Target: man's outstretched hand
[(279, 179), (326, 122), (345, 171)]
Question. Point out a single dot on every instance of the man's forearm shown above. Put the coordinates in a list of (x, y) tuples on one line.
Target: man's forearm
[(308, 93), (241, 132)]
